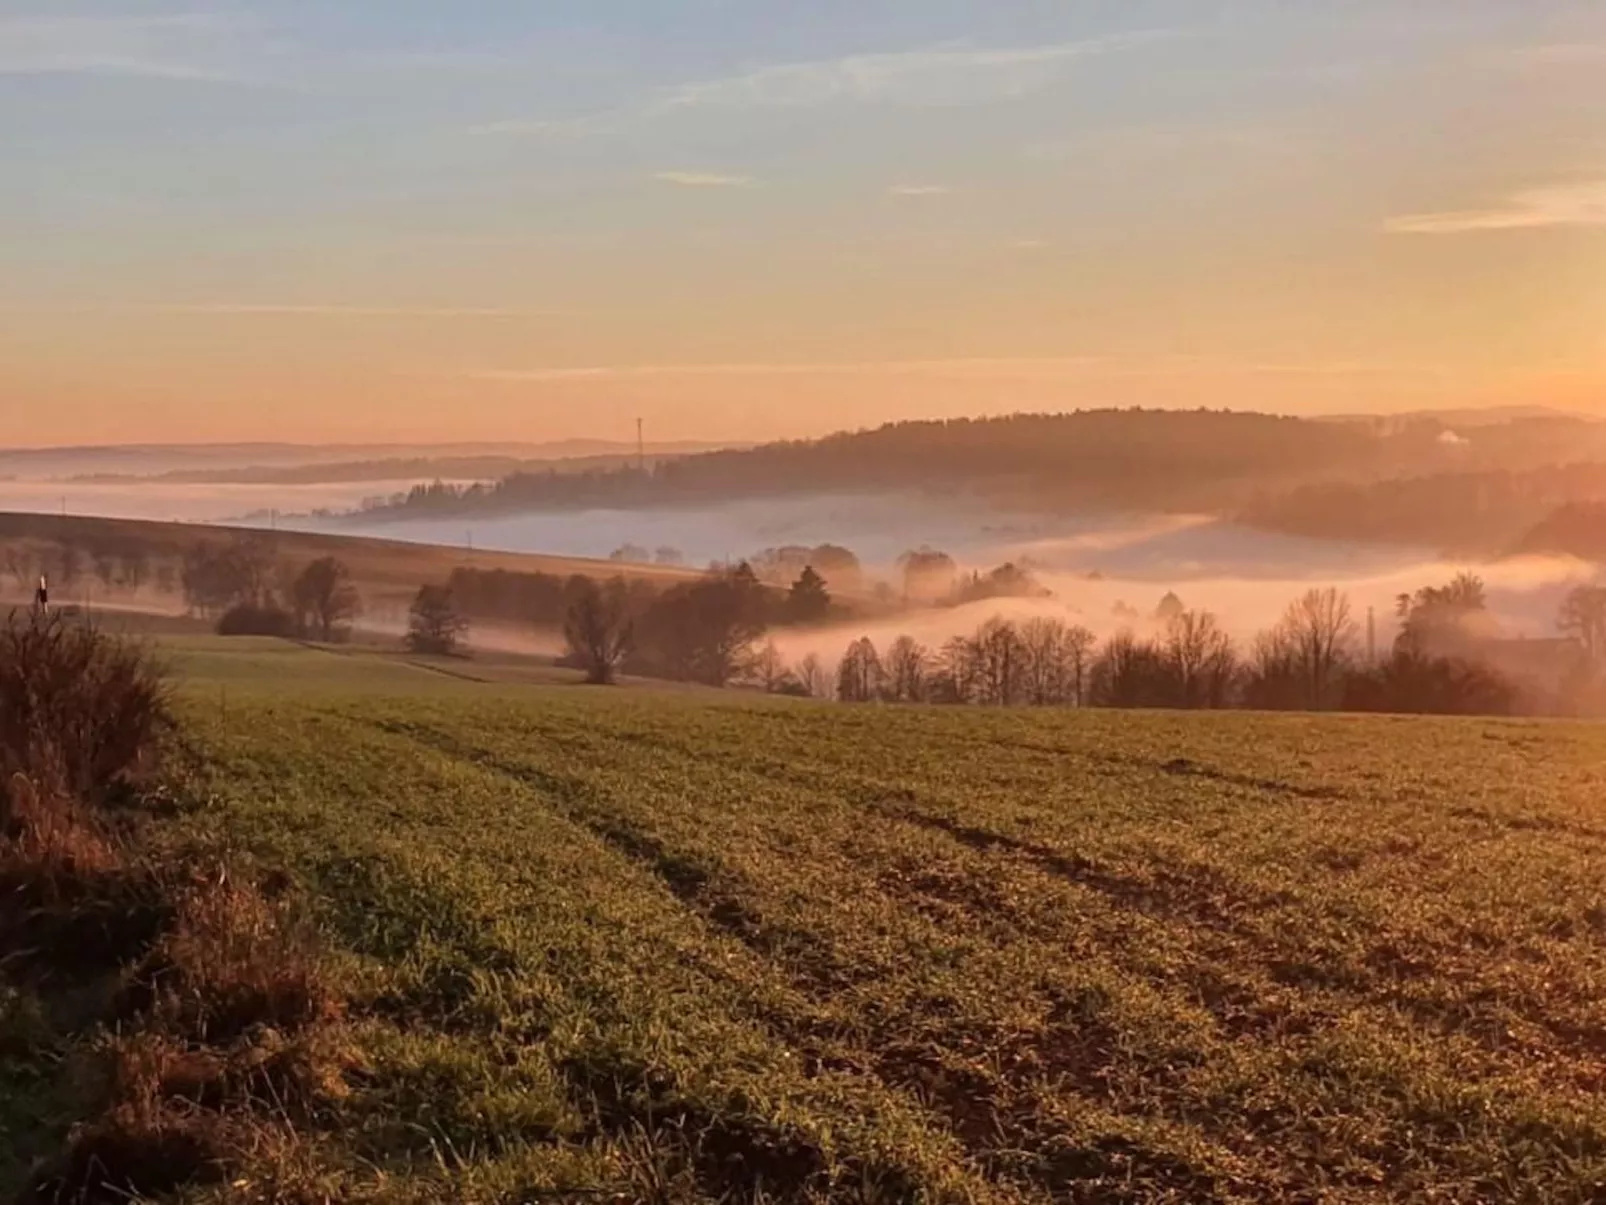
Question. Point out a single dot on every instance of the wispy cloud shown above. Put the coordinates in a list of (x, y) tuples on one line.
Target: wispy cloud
[(977, 368), (1564, 52), (1533, 209), (892, 368), (229, 309), (940, 75), (196, 47), (920, 190), (704, 180)]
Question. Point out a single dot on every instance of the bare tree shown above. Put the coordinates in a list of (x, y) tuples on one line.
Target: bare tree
[(1319, 630), (1583, 617), (1079, 646), (1046, 664), (961, 671), (812, 678), (908, 663), (1001, 662), (1200, 660), (1275, 677), (860, 675), (768, 669), (325, 599), (598, 629)]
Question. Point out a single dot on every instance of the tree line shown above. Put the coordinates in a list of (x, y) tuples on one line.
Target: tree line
[(1312, 659)]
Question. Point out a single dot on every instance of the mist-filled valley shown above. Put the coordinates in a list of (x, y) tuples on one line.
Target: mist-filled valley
[(1108, 511)]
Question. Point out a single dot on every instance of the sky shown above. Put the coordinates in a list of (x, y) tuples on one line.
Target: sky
[(746, 219)]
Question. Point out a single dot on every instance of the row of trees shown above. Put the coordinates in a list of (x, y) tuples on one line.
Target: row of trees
[(115, 567), (1310, 660), (247, 590)]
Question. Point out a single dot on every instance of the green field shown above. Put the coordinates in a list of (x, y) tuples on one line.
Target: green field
[(685, 947)]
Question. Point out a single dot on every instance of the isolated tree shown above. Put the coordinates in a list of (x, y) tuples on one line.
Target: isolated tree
[(598, 629), (1583, 617), (324, 598), (809, 600), (434, 625), (860, 675), (669, 556), (908, 662), (633, 554)]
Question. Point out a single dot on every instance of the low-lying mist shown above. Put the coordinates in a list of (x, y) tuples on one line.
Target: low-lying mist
[(1524, 597)]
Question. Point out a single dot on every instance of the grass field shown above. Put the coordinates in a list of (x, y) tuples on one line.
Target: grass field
[(689, 947)]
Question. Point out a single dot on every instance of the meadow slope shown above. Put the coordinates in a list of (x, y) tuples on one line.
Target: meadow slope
[(685, 947)]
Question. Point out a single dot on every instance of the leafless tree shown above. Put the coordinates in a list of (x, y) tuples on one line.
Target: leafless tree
[(1321, 633), (1200, 659), (1079, 646), (598, 629), (1046, 661), (768, 669), (812, 678), (908, 663), (1583, 617), (859, 678), (1001, 662), (960, 668)]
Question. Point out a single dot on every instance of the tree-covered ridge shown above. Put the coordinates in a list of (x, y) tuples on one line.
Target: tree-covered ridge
[(1088, 458)]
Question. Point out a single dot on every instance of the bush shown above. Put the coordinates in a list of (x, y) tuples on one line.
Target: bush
[(254, 619), (88, 706)]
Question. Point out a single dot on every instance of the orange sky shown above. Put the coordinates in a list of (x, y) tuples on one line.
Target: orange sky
[(782, 231)]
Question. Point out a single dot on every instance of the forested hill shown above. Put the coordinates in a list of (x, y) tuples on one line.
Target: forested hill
[(1104, 458)]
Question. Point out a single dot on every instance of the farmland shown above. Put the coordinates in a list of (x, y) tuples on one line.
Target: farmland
[(688, 947)]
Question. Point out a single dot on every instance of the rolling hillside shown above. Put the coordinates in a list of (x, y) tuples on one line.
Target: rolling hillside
[(644, 946)]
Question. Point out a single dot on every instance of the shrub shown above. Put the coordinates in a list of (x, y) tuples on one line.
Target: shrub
[(257, 619), (88, 706)]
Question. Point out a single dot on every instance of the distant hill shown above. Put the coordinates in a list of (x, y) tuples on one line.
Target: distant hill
[(149, 460), (387, 571), (1216, 462), (444, 468), (1148, 459), (1480, 513), (1575, 529)]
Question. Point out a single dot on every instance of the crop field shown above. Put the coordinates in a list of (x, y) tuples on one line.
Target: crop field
[(680, 947)]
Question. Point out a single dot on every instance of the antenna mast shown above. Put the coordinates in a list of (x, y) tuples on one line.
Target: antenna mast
[(641, 445)]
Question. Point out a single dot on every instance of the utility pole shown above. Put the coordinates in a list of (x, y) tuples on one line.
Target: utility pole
[(641, 445), (1371, 636)]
